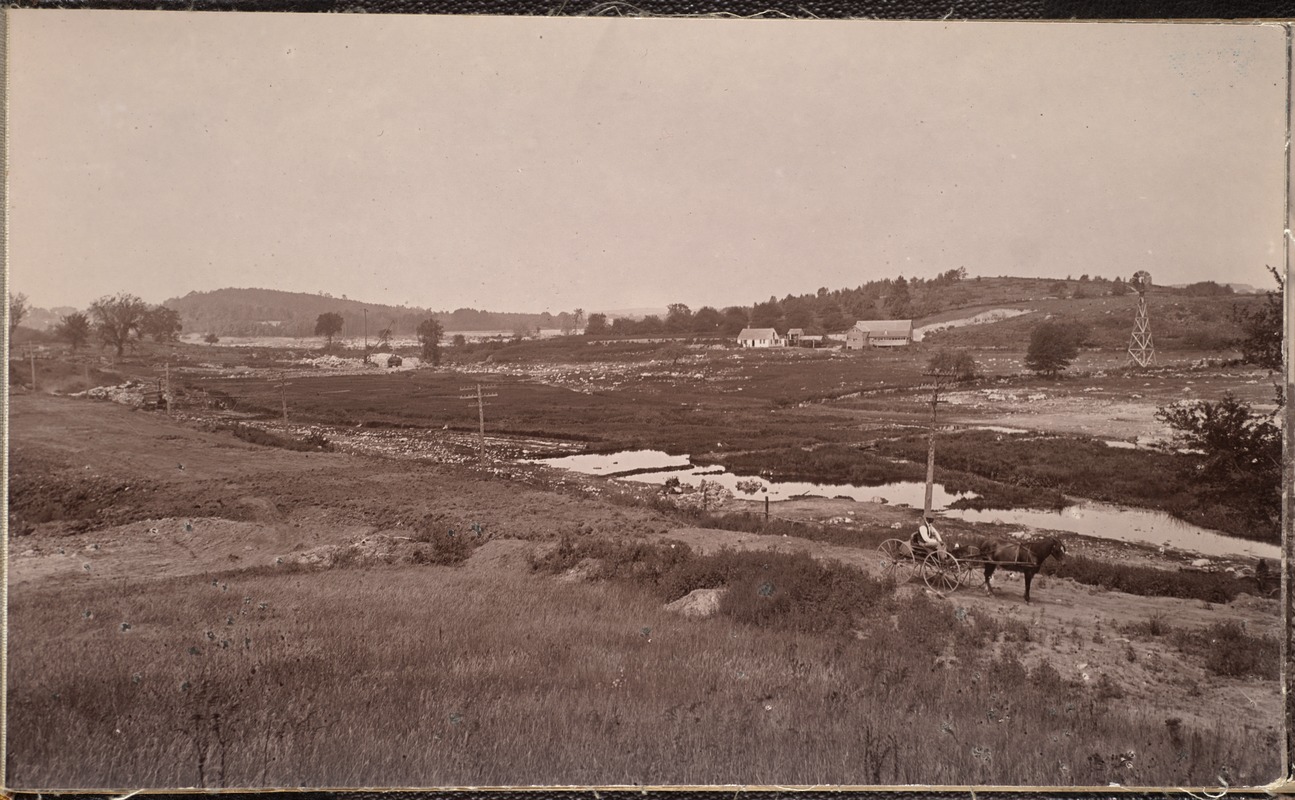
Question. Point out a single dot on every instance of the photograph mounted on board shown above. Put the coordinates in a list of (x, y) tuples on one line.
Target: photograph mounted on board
[(446, 401)]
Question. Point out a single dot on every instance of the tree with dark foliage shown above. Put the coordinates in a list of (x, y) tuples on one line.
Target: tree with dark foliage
[(117, 318), (429, 336), (951, 366), (328, 325), (74, 329), (18, 309), (1053, 345), (1239, 463), (161, 323), (1262, 343)]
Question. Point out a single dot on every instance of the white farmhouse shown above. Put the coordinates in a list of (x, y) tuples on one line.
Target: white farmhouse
[(760, 337)]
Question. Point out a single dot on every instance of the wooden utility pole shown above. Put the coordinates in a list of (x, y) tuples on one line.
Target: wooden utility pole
[(479, 397), (283, 398), (31, 353), (930, 452), (939, 376), (168, 388), (944, 368)]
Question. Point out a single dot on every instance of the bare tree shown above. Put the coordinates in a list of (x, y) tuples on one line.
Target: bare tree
[(18, 308)]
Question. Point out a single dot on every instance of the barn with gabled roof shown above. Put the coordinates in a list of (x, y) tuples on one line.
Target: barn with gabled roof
[(879, 333)]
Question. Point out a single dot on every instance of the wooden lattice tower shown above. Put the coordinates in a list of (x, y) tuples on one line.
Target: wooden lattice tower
[(1141, 348)]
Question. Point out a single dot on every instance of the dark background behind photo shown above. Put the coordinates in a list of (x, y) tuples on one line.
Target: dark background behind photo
[(830, 9)]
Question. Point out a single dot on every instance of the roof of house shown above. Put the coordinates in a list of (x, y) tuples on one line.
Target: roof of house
[(886, 327), (796, 332), (758, 333)]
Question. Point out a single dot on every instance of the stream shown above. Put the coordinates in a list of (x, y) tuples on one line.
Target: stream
[(1087, 518)]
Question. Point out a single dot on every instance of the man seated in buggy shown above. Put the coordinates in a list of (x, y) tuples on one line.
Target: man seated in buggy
[(926, 540)]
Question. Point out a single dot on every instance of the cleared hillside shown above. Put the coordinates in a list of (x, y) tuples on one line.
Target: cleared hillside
[(1177, 322)]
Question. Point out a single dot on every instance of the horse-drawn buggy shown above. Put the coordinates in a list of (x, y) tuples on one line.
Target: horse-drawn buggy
[(946, 568)]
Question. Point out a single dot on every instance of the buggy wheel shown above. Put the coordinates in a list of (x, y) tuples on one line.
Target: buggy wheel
[(966, 572), (941, 572), (897, 560)]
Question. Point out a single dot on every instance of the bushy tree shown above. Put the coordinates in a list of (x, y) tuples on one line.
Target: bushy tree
[(678, 318), (1261, 343), (651, 325), (1118, 287), (117, 318), (951, 365), (18, 309), (1053, 345), (162, 324), (459, 340), (74, 329), (735, 319), (429, 337), (1239, 462), (597, 325), (211, 338), (707, 320), (328, 325)]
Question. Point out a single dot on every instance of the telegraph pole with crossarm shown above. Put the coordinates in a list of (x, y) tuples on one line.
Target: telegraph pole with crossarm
[(479, 397)]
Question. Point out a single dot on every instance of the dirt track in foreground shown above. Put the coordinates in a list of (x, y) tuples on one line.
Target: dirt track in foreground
[(206, 502)]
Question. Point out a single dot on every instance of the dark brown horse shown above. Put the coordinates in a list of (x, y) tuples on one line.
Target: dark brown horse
[(1023, 557)]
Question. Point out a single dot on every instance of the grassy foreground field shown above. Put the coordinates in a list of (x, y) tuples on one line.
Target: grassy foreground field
[(240, 615), (443, 676)]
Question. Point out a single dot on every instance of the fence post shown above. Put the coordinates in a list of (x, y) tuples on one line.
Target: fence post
[(766, 509)]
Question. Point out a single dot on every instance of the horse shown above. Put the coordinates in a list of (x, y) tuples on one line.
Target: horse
[(1025, 558)]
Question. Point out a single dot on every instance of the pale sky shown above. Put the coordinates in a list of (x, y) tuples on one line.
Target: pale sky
[(531, 164)]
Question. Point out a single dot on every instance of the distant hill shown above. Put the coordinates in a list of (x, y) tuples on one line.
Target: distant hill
[(269, 312)]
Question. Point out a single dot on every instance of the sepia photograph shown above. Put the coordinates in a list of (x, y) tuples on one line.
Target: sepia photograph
[(417, 401)]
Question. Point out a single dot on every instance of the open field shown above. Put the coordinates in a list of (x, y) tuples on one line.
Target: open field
[(748, 410), (259, 616)]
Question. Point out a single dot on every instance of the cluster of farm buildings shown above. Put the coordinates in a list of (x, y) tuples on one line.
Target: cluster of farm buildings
[(865, 333)]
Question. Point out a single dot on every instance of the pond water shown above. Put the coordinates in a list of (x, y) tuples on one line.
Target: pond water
[(1100, 520)]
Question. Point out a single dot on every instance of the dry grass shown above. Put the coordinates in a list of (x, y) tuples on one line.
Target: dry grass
[(418, 675)]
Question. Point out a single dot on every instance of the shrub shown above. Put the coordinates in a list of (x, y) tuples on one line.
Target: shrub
[(799, 593), (447, 546), (1146, 581), (1231, 652)]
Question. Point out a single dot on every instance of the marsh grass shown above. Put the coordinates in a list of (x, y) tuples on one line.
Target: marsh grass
[(1040, 470), (1150, 581), (417, 675)]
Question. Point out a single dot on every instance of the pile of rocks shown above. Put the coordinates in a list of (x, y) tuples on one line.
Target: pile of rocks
[(130, 393)]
